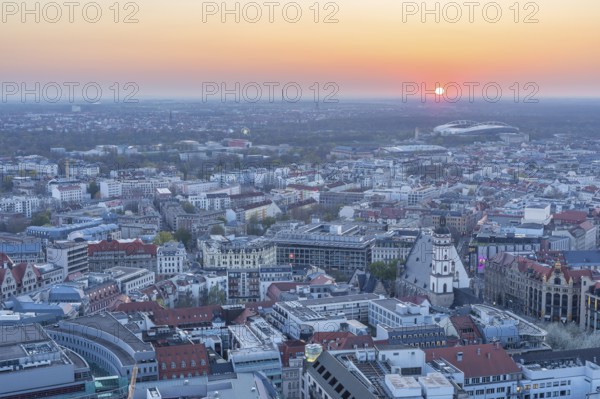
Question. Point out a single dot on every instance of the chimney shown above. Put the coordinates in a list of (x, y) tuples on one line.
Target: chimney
[(459, 357)]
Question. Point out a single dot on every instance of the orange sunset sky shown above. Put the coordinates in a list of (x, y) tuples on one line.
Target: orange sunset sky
[(370, 52)]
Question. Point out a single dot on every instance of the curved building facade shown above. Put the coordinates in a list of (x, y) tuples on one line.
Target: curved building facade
[(101, 339)]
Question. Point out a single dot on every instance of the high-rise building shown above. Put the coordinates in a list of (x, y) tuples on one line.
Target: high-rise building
[(343, 248), (70, 255)]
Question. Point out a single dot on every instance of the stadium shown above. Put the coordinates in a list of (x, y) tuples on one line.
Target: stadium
[(472, 128)]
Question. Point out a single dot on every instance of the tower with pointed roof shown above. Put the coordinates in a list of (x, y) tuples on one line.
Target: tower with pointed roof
[(443, 267)]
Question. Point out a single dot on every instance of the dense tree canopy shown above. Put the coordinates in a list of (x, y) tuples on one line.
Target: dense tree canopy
[(184, 236), (163, 237), (384, 271), (40, 218)]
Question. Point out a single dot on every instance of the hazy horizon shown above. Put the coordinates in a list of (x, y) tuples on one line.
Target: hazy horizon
[(370, 51)]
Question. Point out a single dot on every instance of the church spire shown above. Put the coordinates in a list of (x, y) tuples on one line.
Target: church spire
[(442, 229)]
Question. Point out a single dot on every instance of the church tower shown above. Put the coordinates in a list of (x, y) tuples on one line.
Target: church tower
[(443, 267)]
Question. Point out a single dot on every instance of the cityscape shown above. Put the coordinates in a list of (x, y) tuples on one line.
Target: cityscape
[(299, 200), (458, 260)]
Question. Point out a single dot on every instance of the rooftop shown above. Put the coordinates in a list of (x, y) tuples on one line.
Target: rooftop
[(340, 299), (476, 360), (108, 323)]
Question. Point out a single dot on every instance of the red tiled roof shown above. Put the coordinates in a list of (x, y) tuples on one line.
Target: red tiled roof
[(381, 342), (538, 270), (256, 205), (275, 289), (132, 307), (183, 316), (19, 271), (290, 349), (341, 340), (130, 248), (570, 216), (243, 317), (74, 276), (576, 275), (4, 258), (587, 225), (466, 328), (299, 204), (261, 304), (546, 271), (322, 279), (302, 187), (477, 360), (397, 213)]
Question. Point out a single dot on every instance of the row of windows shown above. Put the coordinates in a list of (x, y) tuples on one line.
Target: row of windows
[(488, 391), (181, 376), (163, 365), (554, 394), (549, 384), (483, 380)]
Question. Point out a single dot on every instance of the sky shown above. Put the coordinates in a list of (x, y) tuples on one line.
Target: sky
[(374, 48)]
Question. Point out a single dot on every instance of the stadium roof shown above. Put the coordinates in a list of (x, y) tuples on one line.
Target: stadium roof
[(465, 127)]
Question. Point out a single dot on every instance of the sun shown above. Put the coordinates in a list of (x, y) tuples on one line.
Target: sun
[(439, 91)]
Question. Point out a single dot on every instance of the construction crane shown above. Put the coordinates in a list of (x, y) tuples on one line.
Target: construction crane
[(132, 382)]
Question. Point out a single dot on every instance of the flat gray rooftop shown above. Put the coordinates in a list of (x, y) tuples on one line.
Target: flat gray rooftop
[(21, 334), (109, 324), (339, 299), (123, 356)]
